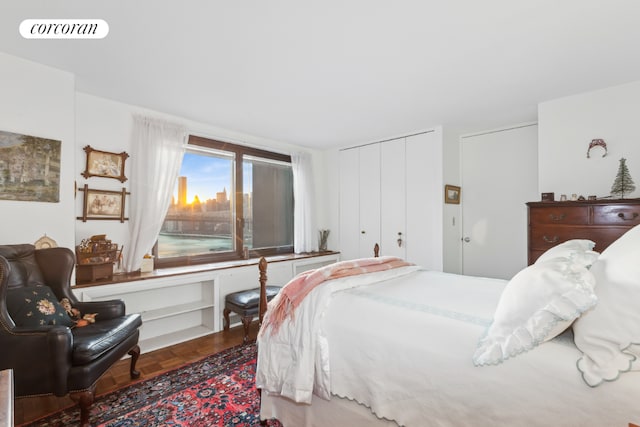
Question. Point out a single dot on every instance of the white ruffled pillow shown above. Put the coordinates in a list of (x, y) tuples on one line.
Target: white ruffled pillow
[(605, 333), (569, 249), (536, 305)]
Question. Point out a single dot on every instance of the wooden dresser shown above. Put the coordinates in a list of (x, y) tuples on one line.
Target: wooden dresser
[(602, 221)]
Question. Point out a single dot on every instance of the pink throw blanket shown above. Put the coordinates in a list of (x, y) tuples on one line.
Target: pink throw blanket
[(299, 287)]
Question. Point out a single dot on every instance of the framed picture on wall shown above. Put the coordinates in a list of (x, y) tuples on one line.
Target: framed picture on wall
[(105, 164), (452, 194), (103, 204)]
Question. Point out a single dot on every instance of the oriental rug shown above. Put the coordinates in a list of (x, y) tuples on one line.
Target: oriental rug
[(218, 390)]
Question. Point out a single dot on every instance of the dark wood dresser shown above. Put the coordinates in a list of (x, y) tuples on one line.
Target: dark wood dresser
[(602, 221)]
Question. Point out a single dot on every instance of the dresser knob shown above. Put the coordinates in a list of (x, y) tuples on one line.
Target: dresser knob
[(553, 239), (622, 216)]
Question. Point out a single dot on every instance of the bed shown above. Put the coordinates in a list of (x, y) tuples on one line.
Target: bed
[(555, 345)]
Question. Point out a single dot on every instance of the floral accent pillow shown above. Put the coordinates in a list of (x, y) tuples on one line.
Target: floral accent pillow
[(34, 306)]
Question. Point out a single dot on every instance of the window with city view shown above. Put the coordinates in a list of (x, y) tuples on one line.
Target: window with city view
[(229, 199)]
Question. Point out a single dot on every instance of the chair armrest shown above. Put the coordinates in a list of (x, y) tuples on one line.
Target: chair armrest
[(110, 309)]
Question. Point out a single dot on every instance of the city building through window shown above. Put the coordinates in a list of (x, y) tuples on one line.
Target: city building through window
[(230, 202)]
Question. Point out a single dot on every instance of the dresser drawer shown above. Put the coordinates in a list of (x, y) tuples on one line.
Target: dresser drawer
[(543, 238), (559, 215), (624, 215)]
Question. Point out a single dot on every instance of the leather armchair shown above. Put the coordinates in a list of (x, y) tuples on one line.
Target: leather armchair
[(56, 359)]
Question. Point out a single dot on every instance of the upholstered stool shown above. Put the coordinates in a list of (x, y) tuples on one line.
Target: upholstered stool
[(247, 305)]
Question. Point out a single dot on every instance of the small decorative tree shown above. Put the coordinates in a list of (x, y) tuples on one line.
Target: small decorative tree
[(623, 183)]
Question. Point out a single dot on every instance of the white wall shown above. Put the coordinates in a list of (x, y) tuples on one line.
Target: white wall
[(106, 125), (567, 125), (38, 100), (452, 215)]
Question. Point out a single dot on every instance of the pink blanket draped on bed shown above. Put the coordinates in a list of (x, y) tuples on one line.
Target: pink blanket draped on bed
[(294, 292)]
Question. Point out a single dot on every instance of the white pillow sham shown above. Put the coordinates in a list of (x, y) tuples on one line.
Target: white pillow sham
[(539, 303), (570, 248), (605, 333)]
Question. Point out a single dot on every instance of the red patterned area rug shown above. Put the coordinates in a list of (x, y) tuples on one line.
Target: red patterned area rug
[(216, 391)]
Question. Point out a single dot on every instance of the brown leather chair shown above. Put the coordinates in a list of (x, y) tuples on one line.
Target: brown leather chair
[(53, 358)]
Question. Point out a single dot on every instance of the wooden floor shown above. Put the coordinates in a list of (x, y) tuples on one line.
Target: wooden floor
[(150, 364)]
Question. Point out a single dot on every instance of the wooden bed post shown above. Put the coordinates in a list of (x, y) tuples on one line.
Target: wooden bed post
[(262, 307), (376, 250)]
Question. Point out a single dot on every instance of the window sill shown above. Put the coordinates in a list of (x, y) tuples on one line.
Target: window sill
[(178, 271)]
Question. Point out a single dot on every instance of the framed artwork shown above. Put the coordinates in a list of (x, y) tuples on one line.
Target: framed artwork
[(103, 204), (29, 168), (105, 164), (452, 194)]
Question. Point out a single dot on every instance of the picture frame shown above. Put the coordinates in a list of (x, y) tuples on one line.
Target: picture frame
[(103, 204), (452, 194), (105, 164)]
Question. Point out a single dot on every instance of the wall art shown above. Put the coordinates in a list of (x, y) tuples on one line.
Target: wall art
[(452, 194), (103, 204), (105, 164), (29, 168)]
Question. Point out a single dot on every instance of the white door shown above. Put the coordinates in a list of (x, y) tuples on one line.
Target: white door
[(499, 175), (393, 198), (349, 204), (369, 184)]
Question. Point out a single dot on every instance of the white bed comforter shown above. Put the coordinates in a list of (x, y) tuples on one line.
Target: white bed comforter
[(403, 347), (294, 362)]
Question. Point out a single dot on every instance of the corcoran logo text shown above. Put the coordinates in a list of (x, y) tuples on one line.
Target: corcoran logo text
[(64, 29)]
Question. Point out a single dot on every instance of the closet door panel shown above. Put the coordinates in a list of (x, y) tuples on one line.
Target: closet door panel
[(369, 181), (393, 198), (349, 204), (424, 200)]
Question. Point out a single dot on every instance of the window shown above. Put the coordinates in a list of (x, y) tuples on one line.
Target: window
[(228, 198)]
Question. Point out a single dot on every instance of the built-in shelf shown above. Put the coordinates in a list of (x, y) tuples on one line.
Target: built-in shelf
[(173, 309), (181, 307)]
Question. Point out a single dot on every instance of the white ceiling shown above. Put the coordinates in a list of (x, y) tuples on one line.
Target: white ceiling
[(338, 72)]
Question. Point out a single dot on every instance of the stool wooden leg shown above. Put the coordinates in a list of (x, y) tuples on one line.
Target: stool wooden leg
[(225, 322), (246, 321)]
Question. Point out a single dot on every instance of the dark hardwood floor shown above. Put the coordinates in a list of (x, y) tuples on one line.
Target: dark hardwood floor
[(150, 364)]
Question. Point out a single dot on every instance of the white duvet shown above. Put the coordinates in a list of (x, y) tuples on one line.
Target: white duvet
[(403, 347)]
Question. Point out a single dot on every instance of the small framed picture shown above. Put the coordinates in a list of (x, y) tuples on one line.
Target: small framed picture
[(105, 164), (547, 197), (452, 194), (103, 204)]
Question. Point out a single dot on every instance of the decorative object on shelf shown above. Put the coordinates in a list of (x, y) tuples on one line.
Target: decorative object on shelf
[(103, 204), (45, 242), (593, 198), (581, 198), (548, 197), (323, 237), (29, 168), (95, 258), (574, 197), (147, 264), (452, 194), (623, 184), (563, 197), (597, 143), (105, 164)]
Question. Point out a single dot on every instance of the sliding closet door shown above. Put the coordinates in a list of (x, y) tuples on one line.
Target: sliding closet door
[(424, 153), (393, 191), (349, 204), (369, 180), (359, 201)]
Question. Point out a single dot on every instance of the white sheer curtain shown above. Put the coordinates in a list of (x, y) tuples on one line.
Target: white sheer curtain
[(157, 150), (305, 234)]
